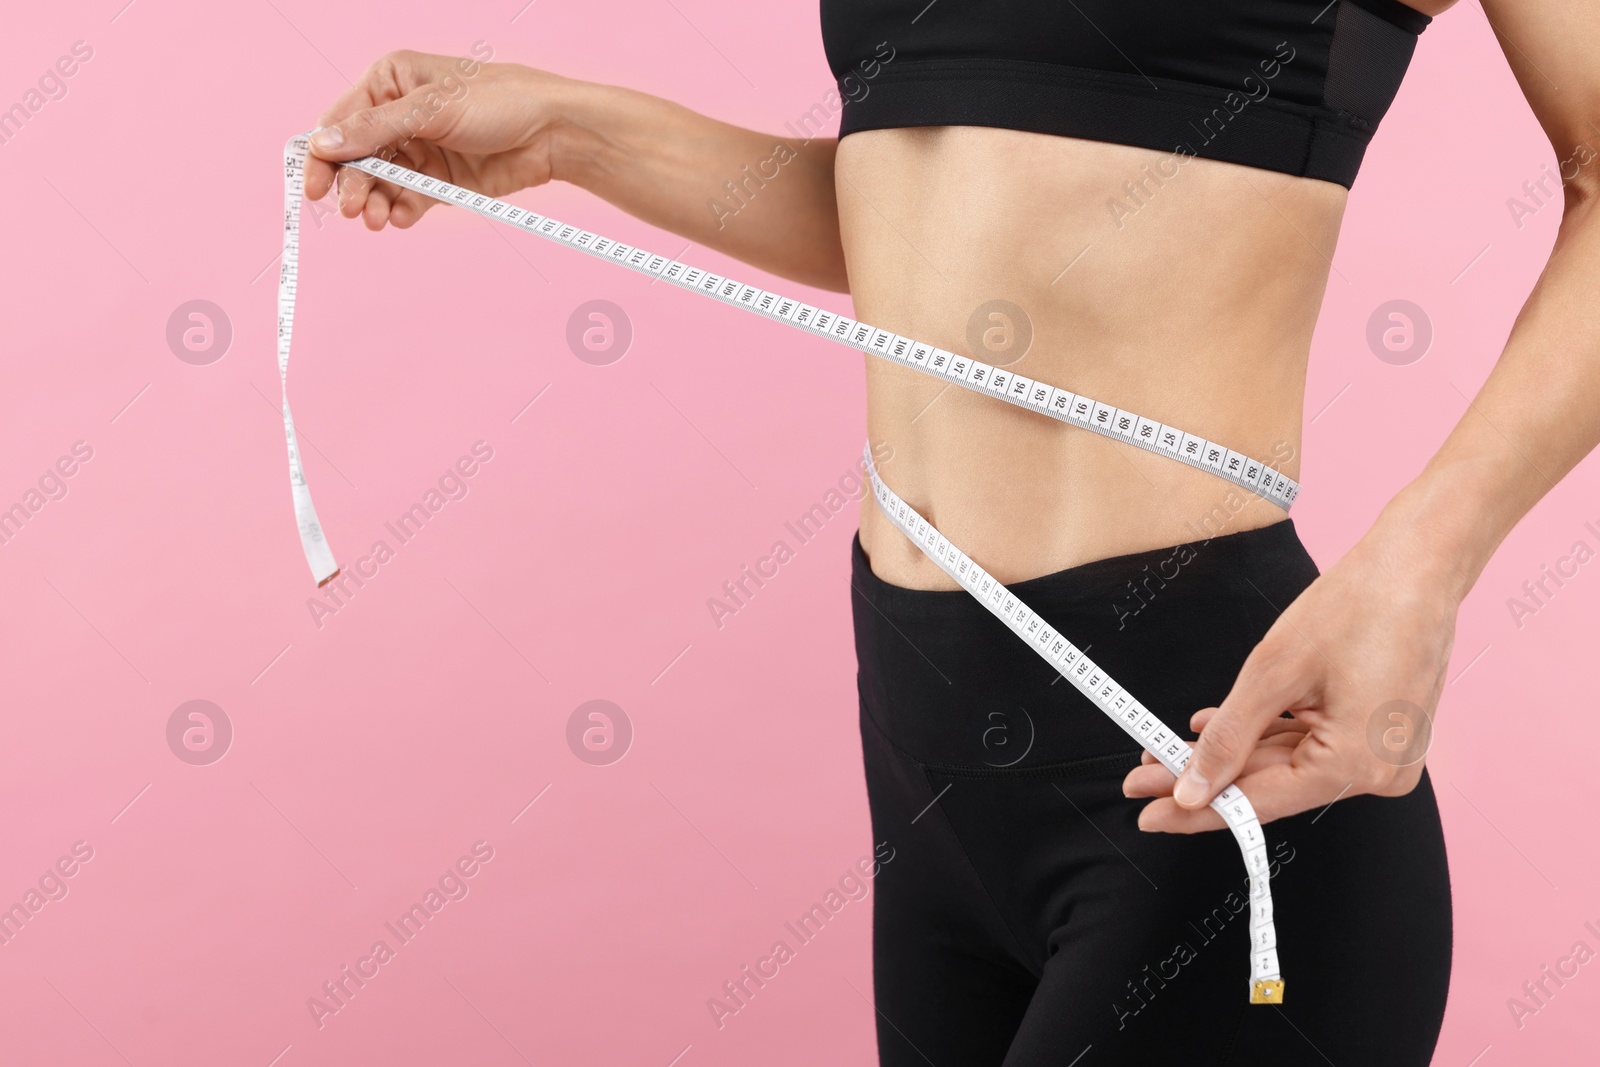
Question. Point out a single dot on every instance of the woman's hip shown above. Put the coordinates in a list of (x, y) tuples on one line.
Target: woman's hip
[(950, 686)]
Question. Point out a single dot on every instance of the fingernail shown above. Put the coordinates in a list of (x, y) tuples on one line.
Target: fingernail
[(327, 137), (1192, 789)]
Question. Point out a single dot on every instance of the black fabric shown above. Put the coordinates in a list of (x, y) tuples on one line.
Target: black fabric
[(1366, 61), (1236, 80), (1402, 15), (1025, 920)]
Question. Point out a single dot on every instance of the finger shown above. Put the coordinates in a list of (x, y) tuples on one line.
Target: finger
[(354, 188), (1158, 781), (1148, 780), (1279, 727), (1164, 816), (319, 172), (408, 208), (1280, 731), (376, 212), (1287, 732), (354, 185), (405, 205), (385, 125), (1276, 791), (1259, 696), (320, 177), (1197, 721), (378, 203), (357, 186)]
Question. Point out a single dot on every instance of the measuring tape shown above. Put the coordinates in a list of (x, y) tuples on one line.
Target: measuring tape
[(1266, 982)]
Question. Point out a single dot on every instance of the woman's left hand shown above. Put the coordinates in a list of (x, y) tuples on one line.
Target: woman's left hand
[(1358, 661)]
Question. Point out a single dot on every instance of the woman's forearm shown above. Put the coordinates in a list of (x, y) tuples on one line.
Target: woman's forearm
[(1535, 418), (757, 197)]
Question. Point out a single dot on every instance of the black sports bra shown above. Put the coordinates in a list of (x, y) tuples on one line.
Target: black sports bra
[(1296, 86)]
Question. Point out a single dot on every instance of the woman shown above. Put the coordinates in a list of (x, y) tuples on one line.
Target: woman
[(1137, 202)]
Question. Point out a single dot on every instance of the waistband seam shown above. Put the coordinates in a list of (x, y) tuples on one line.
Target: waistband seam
[(1092, 573)]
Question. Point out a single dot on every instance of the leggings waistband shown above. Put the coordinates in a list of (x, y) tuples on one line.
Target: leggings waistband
[(951, 686)]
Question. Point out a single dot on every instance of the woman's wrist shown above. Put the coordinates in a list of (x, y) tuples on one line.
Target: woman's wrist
[(1437, 534), (586, 119)]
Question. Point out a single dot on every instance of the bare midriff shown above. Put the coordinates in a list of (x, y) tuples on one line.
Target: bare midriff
[(1180, 288)]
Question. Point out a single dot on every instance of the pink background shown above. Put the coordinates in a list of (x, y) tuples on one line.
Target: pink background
[(372, 752)]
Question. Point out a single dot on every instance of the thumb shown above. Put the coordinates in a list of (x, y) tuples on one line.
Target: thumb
[(366, 131), (1229, 736)]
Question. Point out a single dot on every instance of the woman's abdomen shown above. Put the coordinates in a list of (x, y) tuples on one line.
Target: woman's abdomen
[(1182, 289)]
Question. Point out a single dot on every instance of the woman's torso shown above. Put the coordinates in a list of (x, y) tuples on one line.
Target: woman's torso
[(1184, 289)]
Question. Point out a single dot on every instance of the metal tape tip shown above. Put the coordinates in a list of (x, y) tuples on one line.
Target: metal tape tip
[(1267, 991)]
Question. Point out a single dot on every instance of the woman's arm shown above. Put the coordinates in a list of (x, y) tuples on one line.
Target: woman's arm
[(1378, 627), (763, 199), (1539, 412), (499, 127)]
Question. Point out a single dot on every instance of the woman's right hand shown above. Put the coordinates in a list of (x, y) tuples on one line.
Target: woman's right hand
[(488, 127)]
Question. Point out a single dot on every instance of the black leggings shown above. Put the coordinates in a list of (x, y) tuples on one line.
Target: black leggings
[(1025, 920)]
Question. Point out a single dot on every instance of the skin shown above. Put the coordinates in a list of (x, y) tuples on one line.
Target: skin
[(1197, 310)]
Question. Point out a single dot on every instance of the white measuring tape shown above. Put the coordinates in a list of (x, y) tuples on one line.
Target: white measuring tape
[(1266, 982)]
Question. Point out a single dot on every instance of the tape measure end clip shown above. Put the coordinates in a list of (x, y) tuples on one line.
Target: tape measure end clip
[(1267, 991), (328, 579)]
